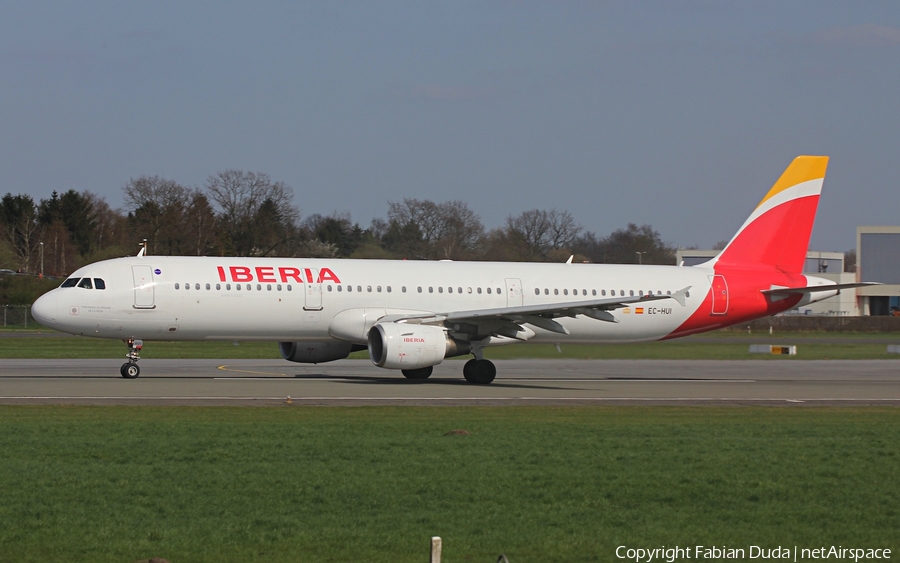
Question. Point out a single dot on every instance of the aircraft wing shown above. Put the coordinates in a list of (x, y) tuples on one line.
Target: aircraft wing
[(508, 321)]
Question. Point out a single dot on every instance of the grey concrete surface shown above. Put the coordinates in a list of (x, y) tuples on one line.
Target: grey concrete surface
[(548, 382)]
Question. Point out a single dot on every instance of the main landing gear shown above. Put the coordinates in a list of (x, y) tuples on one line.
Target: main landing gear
[(478, 371), (130, 369)]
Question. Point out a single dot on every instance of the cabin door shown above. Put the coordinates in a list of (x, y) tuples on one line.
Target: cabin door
[(313, 289), (719, 295), (513, 292), (144, 292)]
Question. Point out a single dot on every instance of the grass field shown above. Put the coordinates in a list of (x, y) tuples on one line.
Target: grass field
[(715, 346), (373, 484)]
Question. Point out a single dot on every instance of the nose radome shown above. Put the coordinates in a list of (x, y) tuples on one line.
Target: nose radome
[(44, 309)]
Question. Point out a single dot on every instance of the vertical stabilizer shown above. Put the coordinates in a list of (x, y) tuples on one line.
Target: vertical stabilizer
[(777, 233)]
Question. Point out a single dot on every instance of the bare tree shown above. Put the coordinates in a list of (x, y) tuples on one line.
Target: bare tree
[(257, 216), (461, 233), (562, 229), (448, 230), (19, 227), (202, 226)]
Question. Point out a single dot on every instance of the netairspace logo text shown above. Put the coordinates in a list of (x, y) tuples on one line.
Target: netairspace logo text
[(795, 553)]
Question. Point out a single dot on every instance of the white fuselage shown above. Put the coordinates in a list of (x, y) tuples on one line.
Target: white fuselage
[(290, 299)]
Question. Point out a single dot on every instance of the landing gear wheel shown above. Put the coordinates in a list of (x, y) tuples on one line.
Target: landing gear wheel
[(421, 373), (469, 370), (482, 372), (130, 370)]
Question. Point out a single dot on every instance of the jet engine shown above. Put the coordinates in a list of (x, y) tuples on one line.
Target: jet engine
[(315, 351), (409, 346)]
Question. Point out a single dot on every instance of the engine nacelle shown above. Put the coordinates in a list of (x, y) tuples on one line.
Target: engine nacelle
[(409, 346), (314, 351)]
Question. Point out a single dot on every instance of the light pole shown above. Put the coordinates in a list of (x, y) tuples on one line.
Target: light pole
[(640, 256), (42, 260)]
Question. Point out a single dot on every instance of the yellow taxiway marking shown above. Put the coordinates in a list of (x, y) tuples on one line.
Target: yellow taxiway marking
[(229, 369)]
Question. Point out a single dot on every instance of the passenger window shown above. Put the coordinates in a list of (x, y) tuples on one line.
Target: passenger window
[(86, 283), (340, 288), (237, 286), (290, 287), (640, 292), (378, 289), (546, 291), (359, 289), (218, 287), (498, 291), (228, 286), (329, 288), (259, 287), (99, 283), (479, 291), (603, 293), (207, 287), (349, 288), (537, 291), (403, 289), (369, 288), (430, 289), (187, 286), (449, 290), (71, 282), (555, 292), (489, 291), (420, 289), (269, 287), (440, 289), (468, 290), (176, 285), (197, 286), (388, 289), (565, 292), (458, 290)]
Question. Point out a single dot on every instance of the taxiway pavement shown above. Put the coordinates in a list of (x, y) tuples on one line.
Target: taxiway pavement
[(546, 382)]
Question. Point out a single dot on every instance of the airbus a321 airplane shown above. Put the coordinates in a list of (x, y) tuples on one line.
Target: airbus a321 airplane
[(410, 315)]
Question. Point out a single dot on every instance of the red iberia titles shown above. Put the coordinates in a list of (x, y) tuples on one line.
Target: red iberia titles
[(271, 274)]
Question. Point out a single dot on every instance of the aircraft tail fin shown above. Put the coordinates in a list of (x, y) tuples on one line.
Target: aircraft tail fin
[(777, 232)]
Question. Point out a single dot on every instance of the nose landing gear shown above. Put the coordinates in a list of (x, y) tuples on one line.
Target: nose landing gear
[(130, 369)]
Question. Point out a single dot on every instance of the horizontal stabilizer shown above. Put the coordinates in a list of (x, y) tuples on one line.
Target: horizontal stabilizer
[(815, 288)]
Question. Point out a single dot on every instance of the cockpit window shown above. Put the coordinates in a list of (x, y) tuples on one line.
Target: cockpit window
[(71, 282), (86, 283), (99, 283)]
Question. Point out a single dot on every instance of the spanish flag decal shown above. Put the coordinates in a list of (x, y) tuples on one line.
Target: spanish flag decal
[(638, 310)]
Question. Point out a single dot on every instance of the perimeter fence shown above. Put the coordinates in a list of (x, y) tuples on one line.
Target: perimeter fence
[(18, 316)]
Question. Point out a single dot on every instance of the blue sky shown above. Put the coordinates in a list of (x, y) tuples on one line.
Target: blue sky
[(676, 114)]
